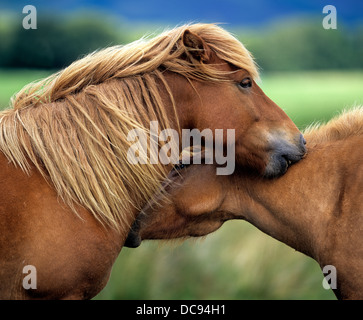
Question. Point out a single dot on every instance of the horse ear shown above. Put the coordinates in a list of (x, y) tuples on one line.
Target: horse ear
[(196, 46)]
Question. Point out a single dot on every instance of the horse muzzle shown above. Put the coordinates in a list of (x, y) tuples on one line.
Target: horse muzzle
[(283, 154)]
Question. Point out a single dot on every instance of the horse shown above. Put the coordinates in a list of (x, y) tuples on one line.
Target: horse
[(68, 192), (315, 208)]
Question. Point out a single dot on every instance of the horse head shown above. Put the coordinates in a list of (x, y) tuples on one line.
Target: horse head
[(228, 97)]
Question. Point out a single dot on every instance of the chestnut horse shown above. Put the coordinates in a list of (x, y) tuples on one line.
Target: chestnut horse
[(69, 195), (316, 207)]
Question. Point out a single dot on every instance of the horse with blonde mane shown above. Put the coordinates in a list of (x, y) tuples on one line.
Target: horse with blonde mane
[(316, 207), (68, 194)]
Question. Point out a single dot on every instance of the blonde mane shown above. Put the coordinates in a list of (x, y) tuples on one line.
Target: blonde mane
[(348, 123), (73, 125)]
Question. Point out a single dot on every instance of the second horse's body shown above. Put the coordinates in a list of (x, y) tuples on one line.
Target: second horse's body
[(316, 207)]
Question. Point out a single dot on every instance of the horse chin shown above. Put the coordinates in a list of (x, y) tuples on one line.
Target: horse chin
[(279, 164), (276, 168), (133, 239)]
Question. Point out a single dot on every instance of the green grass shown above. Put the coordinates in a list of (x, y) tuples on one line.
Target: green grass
[(314, 96), (238, 261), (11, 81)]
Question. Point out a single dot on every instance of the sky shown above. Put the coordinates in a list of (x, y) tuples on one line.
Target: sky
[(233, 12)]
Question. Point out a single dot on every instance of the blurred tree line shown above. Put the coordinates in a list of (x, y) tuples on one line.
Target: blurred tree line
[(56, 42), (292, 45), (306, 45)]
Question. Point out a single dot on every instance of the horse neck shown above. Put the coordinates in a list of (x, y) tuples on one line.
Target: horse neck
[(297, 207)]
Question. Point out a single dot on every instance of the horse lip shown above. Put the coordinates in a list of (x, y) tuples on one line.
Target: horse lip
[(288, 161), (293, 158), (280, 162), (283, 154)]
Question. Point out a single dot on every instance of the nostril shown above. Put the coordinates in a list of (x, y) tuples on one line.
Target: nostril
[(302, 144), (302, 139)]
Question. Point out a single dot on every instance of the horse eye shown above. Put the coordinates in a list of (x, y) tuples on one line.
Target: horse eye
[(180, 166), (246, 83)]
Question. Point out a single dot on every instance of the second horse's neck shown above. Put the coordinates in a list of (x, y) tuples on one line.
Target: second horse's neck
[(299, 207)]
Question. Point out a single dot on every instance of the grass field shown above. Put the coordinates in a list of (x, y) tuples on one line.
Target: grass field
[(12, 81), (314, 96), (238, 261)]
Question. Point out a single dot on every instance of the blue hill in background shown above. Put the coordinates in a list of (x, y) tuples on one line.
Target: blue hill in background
[(232, 12)]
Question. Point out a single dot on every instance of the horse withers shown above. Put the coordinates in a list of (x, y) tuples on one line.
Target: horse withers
[(69, 195), (316, 207)]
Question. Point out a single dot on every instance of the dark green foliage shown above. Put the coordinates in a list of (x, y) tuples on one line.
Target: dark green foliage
[(298, 44), (56, 42)]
